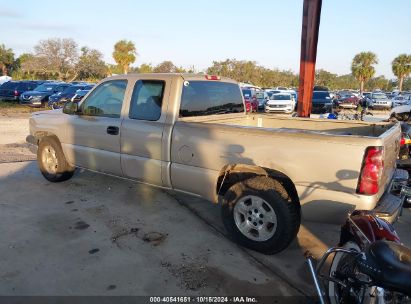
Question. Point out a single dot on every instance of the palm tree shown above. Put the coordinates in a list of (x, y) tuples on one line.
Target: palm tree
[(401, 67), (6, 59), (124, 54), (362, 67)]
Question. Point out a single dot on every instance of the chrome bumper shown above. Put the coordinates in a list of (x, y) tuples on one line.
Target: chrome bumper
[(390, 205)]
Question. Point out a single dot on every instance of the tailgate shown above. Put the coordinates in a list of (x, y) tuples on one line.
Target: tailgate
[(391, 143)]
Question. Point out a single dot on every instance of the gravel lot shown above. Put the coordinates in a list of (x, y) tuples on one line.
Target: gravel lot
[(13, 146)]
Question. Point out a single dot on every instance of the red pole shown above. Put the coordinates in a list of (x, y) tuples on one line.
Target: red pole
[(309, 41)]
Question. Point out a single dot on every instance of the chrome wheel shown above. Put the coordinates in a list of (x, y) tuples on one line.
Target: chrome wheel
[(49, 159), (255, 218)]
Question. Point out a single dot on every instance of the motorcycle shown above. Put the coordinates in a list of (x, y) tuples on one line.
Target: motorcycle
[(370, 265)]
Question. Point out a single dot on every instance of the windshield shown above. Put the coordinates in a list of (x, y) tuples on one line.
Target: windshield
[(45, 87), (379, 96), (280, 97), (246, 93), (260, 95)]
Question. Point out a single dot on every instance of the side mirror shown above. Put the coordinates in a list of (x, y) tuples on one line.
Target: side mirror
[(70, 108)]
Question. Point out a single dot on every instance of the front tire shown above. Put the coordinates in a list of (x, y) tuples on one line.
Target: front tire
[(259, 214), (52, 162)]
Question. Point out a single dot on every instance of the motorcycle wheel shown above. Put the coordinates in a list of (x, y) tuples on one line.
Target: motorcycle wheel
[(343, 262)]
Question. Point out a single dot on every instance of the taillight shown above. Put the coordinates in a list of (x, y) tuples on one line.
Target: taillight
[(16, 93), (371, 171), (212, 77), (404, 141)]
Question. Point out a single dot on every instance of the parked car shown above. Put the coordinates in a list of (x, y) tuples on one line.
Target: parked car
[(379, 100), (11, 90), (399, 101), (262, 98), (57, 100), (321, 102), (79, 95), (40, 95), (250, 99), (346, 100), (280, 102), (270, 93), (189, 133), (365, 95)]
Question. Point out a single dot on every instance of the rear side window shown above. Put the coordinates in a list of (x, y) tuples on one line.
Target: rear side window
[(207, 98), (147, 99), (9, 85), (321, 95)]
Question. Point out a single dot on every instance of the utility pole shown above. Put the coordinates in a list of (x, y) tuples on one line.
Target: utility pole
[(309, 41)]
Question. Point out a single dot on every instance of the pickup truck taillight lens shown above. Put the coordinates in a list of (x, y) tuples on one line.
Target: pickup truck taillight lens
[(16, 93), (371, 171)]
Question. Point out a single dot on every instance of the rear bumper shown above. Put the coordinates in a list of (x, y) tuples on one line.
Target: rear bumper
[(390, 205), (9, 98)]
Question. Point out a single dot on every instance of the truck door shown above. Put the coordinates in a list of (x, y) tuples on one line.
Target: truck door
[(93, 137), (142, 132)]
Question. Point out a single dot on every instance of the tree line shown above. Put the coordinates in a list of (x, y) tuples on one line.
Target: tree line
[(62, 59)]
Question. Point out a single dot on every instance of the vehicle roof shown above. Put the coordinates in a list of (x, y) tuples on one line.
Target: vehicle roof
[(282, 93), (185, 76)]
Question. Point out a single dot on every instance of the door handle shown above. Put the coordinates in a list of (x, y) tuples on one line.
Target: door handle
[(112, 130)]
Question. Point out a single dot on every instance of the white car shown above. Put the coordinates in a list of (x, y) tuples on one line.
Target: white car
[(399, 101), (280, 102)]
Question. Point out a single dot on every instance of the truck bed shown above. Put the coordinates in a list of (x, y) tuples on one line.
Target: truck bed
[(314, 126)]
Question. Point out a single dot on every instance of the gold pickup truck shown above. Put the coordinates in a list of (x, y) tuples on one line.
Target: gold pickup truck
[(190, 133)]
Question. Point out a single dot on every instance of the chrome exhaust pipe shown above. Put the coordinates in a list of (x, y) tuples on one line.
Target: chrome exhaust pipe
[(310, 262)]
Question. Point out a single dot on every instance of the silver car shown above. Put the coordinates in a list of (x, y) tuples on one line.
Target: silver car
[(379, 100)]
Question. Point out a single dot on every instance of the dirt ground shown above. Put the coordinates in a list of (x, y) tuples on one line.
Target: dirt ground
[(14, 127)]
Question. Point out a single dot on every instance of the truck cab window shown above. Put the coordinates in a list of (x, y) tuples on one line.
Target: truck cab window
[(106, 100), (147, 99), (207, 98)]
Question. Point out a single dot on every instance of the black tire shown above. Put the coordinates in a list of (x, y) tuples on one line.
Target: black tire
[(288, 213), (63, 170)]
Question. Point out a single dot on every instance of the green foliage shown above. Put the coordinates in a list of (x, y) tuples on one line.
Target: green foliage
[(165, 67), (6, 59), (324, 78), (250, 72), (124, 54), (362, 67), (52, 58), (406, 85), (401, 67), (91, 65), (145, 68)]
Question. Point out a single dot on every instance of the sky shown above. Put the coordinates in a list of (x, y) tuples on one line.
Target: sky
[(198, 32)]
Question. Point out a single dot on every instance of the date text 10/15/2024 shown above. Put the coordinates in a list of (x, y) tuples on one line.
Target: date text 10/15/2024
[(203, 299)]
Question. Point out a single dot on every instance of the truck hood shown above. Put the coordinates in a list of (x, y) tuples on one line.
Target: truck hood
[(47, 113), (279, 102)]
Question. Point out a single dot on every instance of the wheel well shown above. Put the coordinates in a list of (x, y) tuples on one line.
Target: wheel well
[(40, 134), (232, 174)]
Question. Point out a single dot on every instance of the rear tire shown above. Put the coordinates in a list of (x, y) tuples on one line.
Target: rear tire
[(259, 214), (52, 162)]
